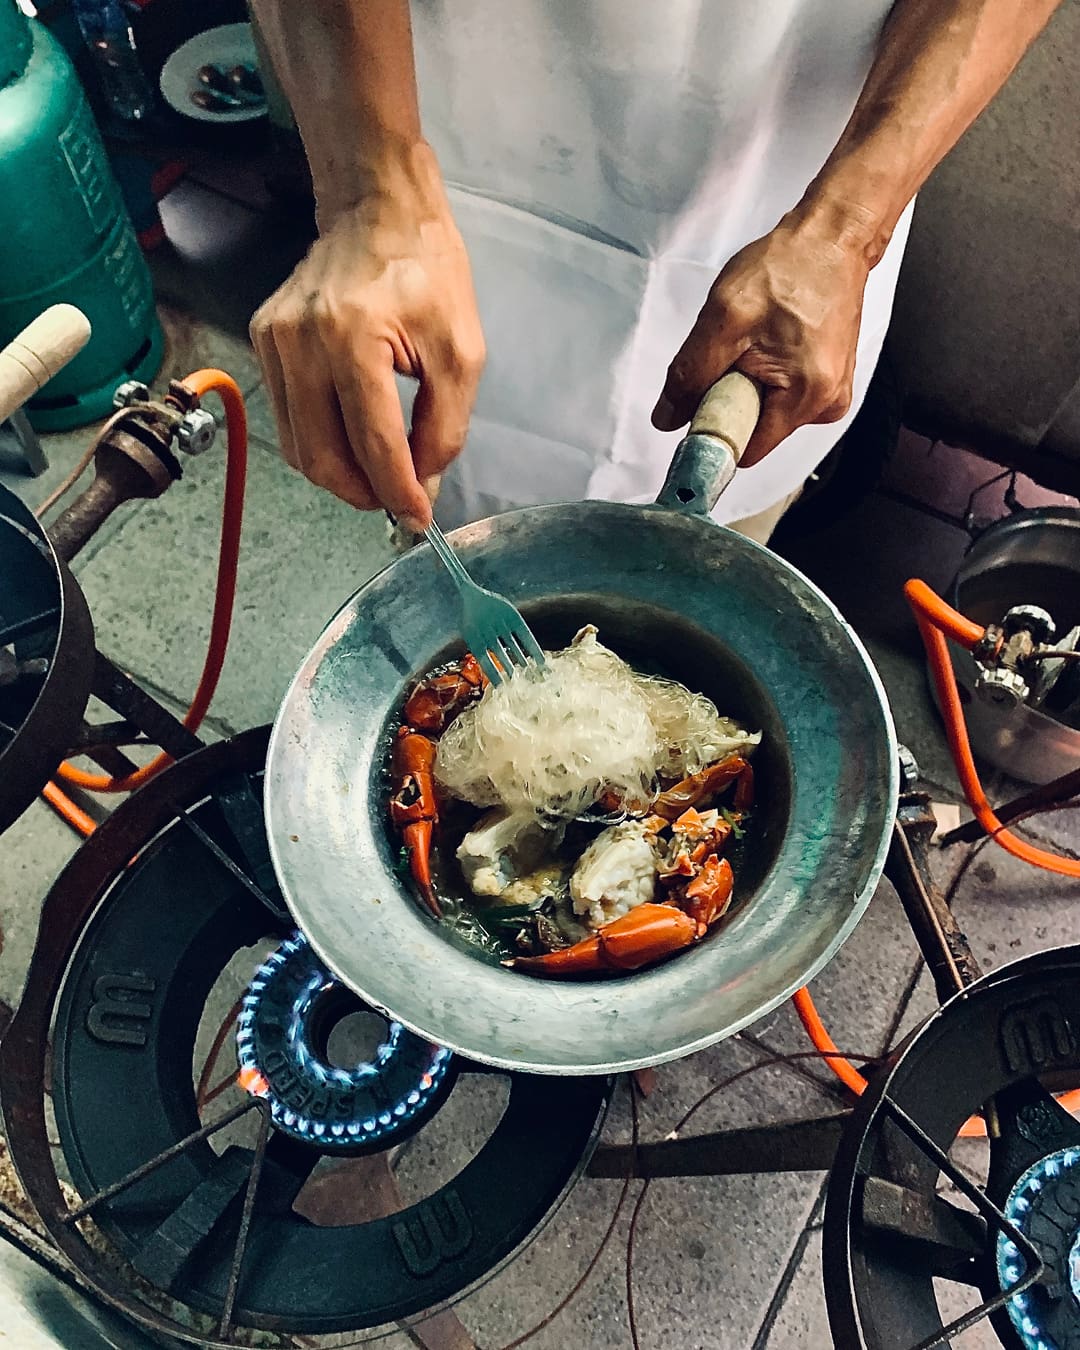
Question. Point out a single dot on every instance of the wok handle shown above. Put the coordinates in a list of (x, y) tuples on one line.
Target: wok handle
[(705, 459), (33, 357)]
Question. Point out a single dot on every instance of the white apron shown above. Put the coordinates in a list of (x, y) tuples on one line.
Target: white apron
[(605, 158)]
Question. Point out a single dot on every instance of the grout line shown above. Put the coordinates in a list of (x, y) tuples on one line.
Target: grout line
[(787, 1278)]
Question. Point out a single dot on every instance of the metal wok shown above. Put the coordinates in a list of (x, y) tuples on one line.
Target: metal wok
[(666, 587)]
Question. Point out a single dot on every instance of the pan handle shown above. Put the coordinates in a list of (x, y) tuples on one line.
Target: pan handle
[(705, 459)]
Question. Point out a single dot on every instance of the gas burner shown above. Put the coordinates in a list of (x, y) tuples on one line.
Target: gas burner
[(292, 1005), (1045, 1206), (46, 658), (200, 1245), (890, 1232)]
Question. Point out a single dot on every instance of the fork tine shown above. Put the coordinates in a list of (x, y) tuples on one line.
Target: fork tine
[(488, 666), (529, 645), (525, 657), (512, 658)]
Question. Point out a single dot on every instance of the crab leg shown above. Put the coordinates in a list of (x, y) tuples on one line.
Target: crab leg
[(413, 808), (709, 894), (699, 786), (436, 701), (646, 934)]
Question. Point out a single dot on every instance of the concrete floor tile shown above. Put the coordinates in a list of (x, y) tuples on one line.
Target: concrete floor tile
[(302, 554), (540, 1277), (261, 425), (710, 1249), (1007, 909), (1010, 909), (922, 1004), (802, 1322), (32, 852), (707, 1256), (710, 1254), (62, 450), (859, 992)]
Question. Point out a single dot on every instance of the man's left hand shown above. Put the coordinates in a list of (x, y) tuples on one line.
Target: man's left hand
[(785, 311)]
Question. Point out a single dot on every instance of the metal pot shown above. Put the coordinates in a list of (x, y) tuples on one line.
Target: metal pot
[(1030, 558), (664, 584)]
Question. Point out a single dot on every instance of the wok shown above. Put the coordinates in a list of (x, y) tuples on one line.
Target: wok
[(666, 587)]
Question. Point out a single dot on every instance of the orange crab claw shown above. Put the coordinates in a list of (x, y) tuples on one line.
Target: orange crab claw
[(436, 701), (646, 934), (699, 787), (417, 839), (413, 808), (709, 894)]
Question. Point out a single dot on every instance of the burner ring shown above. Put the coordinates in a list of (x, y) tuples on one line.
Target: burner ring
[(997, 1041), (1045, 1204), (291, 1006)]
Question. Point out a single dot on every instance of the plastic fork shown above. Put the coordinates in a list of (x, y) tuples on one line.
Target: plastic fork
[(494, 631)]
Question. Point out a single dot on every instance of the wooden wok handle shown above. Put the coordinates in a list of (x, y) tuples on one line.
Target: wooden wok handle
[(729, 411), (40, 350), (705, 459)]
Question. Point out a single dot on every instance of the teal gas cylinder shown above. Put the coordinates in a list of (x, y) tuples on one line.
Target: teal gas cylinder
[(64, 233)]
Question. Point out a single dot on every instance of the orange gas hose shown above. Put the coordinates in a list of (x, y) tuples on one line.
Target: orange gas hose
[(852, 1079), (66, 809), (933, 616), (201, 382), (815, 1029), (936, 611), (937, 620)]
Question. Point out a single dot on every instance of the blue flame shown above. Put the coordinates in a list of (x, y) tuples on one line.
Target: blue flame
[(1023, 1312), (306, 1064)]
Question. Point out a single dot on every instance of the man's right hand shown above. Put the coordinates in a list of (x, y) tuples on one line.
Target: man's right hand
[(386, 288)]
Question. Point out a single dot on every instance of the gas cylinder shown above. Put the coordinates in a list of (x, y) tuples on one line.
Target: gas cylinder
[(65, 236)]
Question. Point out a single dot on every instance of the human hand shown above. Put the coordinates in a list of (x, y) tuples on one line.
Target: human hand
[(386, 288), (785, 311)]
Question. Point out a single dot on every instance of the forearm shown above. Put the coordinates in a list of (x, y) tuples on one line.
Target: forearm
[(940, 63), (347, 69)]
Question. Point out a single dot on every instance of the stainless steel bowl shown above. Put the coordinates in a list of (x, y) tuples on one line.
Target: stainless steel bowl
[(1031, 558)]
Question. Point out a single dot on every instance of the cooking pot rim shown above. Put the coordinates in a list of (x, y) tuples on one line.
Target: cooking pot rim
[(809, 963)]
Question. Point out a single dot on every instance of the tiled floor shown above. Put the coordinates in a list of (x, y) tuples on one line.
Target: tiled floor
[(731, 1264)]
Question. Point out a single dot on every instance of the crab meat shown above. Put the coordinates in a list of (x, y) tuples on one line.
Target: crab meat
[(503, 848), (615, 874), (549, 879), (694, 837)]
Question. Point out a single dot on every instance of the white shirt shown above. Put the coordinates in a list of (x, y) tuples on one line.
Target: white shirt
[(605, 158)]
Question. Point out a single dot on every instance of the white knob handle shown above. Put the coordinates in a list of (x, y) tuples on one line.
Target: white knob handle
[(40, 350), (729, 411)]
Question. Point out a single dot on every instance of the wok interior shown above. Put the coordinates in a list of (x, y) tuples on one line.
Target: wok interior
[(659, 641)]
